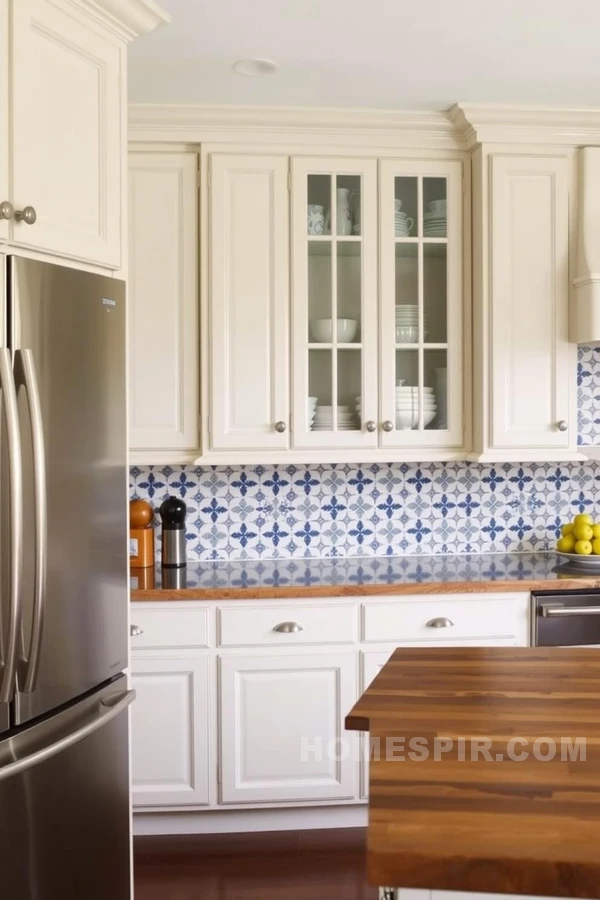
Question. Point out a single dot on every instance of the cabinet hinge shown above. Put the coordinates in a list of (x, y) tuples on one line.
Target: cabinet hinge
[(289, 181), (464, 183), (198, 178), (218, 773), (209, 176)]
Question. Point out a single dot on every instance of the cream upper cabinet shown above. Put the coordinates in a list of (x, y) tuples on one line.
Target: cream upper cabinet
[(248, 301), (524, 364), (334, 302), (421, 315), (65, 138), (163, 306)]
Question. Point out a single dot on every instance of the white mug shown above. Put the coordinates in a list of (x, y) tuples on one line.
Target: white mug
[(397, 205), (316, 218)]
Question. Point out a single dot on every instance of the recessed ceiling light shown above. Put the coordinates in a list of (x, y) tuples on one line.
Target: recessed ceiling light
[(253, 67)]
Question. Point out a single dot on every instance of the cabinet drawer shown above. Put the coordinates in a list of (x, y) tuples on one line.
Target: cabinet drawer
[(415, 619), (272, 625), (165, 628)]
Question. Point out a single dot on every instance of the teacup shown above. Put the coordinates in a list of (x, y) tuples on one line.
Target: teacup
[(315, 218), (397, 205), (400, 226), (437, 206)]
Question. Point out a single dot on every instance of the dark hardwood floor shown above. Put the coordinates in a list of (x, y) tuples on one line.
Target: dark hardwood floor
[(285, 865)]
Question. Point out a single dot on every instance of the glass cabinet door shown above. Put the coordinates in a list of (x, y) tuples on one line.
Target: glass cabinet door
[(421, 381), (334, 298)]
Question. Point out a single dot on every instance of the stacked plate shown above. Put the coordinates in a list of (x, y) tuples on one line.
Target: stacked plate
[(323, 420), (434, 220), (402, 224), (407, 324), (312, 410), (407, 407)]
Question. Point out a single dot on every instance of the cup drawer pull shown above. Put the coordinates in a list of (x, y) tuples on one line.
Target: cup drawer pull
[(288, 628), (440, 622)]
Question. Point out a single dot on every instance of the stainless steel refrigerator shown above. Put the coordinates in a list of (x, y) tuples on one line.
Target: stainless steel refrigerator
[(64, 795)]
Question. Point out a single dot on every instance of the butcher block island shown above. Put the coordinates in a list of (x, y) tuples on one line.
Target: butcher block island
[(484, 772)]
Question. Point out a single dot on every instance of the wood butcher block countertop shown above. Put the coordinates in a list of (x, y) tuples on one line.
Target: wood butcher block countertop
[(355, 577), (501, 826)]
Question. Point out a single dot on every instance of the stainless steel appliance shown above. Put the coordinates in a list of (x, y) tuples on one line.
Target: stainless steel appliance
[(568, 619), (64, 800)]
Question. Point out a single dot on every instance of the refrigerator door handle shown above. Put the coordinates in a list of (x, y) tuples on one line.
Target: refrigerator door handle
[(25, 376), (15, 469), (110, 706)]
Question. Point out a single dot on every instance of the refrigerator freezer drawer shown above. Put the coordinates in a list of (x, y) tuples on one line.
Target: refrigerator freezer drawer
[(64, 803)]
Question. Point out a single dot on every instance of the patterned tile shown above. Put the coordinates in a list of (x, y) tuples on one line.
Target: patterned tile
[(303, 512)]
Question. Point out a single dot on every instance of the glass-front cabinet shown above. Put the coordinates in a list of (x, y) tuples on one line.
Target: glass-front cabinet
[(421, 310), (334, 302)]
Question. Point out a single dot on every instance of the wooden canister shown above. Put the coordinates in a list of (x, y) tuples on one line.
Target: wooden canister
[(141, 535)]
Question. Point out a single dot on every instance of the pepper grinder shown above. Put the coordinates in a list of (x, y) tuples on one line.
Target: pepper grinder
[(172, 512)]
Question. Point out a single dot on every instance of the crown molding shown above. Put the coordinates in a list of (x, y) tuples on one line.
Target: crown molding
[(197, 124), (128, 19), (480, 124), (462, 127)]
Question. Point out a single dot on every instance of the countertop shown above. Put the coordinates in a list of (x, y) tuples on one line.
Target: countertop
[(522, 827), (356, 577)]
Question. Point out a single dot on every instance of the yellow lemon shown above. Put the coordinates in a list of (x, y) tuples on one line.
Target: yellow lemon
[(583, 532), (583, 519), (567, 544), (596, 530), (596, 546), (584, 548), (567, 529)]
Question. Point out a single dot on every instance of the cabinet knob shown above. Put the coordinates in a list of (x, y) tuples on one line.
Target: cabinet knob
[(562, 425), (440, 622), (7, 210), (135, 630), (288, 628), (388, 425), (27, 215), (280, 427), (370, 425)]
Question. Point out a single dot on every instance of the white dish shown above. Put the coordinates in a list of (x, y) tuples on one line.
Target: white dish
[(407, 420), (577, 559), (406, 334), (322, 330), (339, 408), (327, 420), (414, 401)]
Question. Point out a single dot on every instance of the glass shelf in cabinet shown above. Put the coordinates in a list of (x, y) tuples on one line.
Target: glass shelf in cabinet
[(316, 345), (346, 246), (436, 246)]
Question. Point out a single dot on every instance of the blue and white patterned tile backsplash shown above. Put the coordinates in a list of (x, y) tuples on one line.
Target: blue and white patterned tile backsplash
[(296, 511), (588, 396)]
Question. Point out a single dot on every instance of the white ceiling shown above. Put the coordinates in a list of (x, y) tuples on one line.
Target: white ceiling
[(398, 54)]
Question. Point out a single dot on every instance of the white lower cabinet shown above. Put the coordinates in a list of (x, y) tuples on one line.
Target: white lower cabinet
[(170, 731), (281, 723), (234, 709)]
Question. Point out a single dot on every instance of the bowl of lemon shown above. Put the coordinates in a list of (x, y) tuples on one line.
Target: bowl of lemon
[(579, 542)]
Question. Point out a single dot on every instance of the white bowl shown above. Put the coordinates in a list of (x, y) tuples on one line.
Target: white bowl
[(407, 420), (415, 406), (322, 330), (407, 334), (412, 392)]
